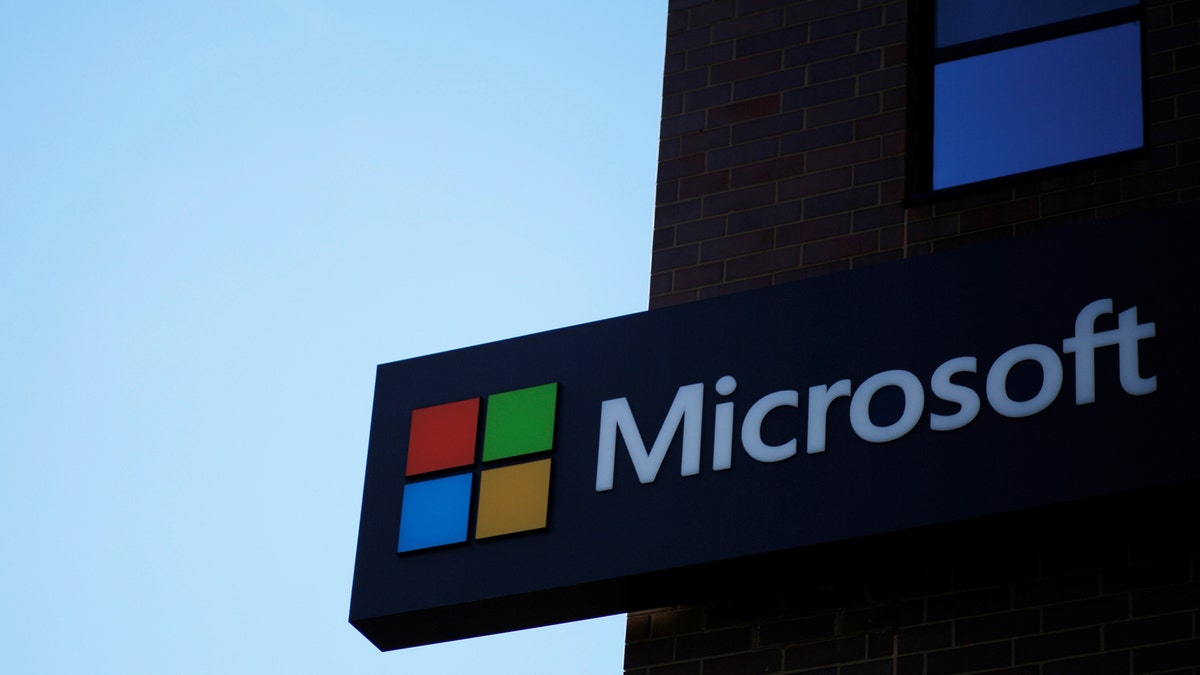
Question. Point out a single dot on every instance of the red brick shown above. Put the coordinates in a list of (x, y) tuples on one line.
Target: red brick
[(971, 602), (805, 629), (878, 125), (1161, 657), (768, 216), (888, 252), (1000, 626), (895, 55), (663, 238), (677, 212), (844, 200), (704, 184), (700, 230), (674, 258), (1002, 214), (845, 66), (776, 39), (894, 99), (840, 247), (688, 668), (849, 110), (682, 124), (674, 63), (843, 155), (838, 134), (747, 7), (812, 271), (821, 50), (890, 34), (814, 229), (814, 184), (762, 263), (846, 23), (774, 125), (1113, 662), (744, 110), (879, 170), (706, 56), (668, 148), (760, 661), (878, 217), (892, 237), (731, 287), (680, 167), (660, 301), (708, 14), (825, 653), (742, 244), (672, 105), (688, 39), (925, 638), (665, 193), (785, 167), (637, 627), (709, 139), (892, 144), (700, 99), (752, 24), (712, 643), (778, 81), (701, 275), (676, 21), (1056, 589), (649, 653), (877, 667), (819, 93), (677, 83), (968, 659), (659, 284), (1080, 198), (738, 200), (820, 9), (743, 153), (1057, 645), (746, 68), (1153, 630)]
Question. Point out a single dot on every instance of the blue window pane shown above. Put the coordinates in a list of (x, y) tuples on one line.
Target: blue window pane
[(435, 512), (965, 20), (1038, 105)]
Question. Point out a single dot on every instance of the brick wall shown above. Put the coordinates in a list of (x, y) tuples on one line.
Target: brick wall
[(1104, 587), (783, 146), (785, 143)]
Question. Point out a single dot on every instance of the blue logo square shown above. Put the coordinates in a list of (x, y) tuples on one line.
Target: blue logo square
[(435, 512)]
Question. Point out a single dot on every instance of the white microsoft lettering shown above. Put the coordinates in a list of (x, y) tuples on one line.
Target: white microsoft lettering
[(616, 417), (687, 409)]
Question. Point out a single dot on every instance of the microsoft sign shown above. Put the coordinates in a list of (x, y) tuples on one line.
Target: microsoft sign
[(582, 471)]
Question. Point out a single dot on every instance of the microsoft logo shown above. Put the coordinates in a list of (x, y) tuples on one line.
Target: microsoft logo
[(512, 496)]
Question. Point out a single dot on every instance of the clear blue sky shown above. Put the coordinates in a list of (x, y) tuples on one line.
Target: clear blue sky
[(216, 218)]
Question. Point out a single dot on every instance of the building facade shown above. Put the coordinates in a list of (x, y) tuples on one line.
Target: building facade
[(798, 140)]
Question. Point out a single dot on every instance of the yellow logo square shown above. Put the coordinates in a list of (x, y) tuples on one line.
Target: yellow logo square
[(513, 499)]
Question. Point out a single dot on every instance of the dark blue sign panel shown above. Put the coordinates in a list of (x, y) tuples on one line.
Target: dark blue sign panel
[(566, 474)]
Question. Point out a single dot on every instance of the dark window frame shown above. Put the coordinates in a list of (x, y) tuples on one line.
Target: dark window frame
[(924, 56)]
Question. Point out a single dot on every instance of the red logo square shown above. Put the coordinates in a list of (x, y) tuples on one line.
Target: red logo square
[(442, 437)]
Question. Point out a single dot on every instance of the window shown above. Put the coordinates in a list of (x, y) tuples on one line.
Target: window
[(1024, 85)]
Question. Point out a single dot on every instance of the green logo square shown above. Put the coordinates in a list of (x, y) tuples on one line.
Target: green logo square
[(520, 422)]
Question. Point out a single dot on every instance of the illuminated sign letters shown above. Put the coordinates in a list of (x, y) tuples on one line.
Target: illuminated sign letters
[(687, 408)]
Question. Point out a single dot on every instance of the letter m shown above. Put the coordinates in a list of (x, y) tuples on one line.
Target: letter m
[(616, 418)]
